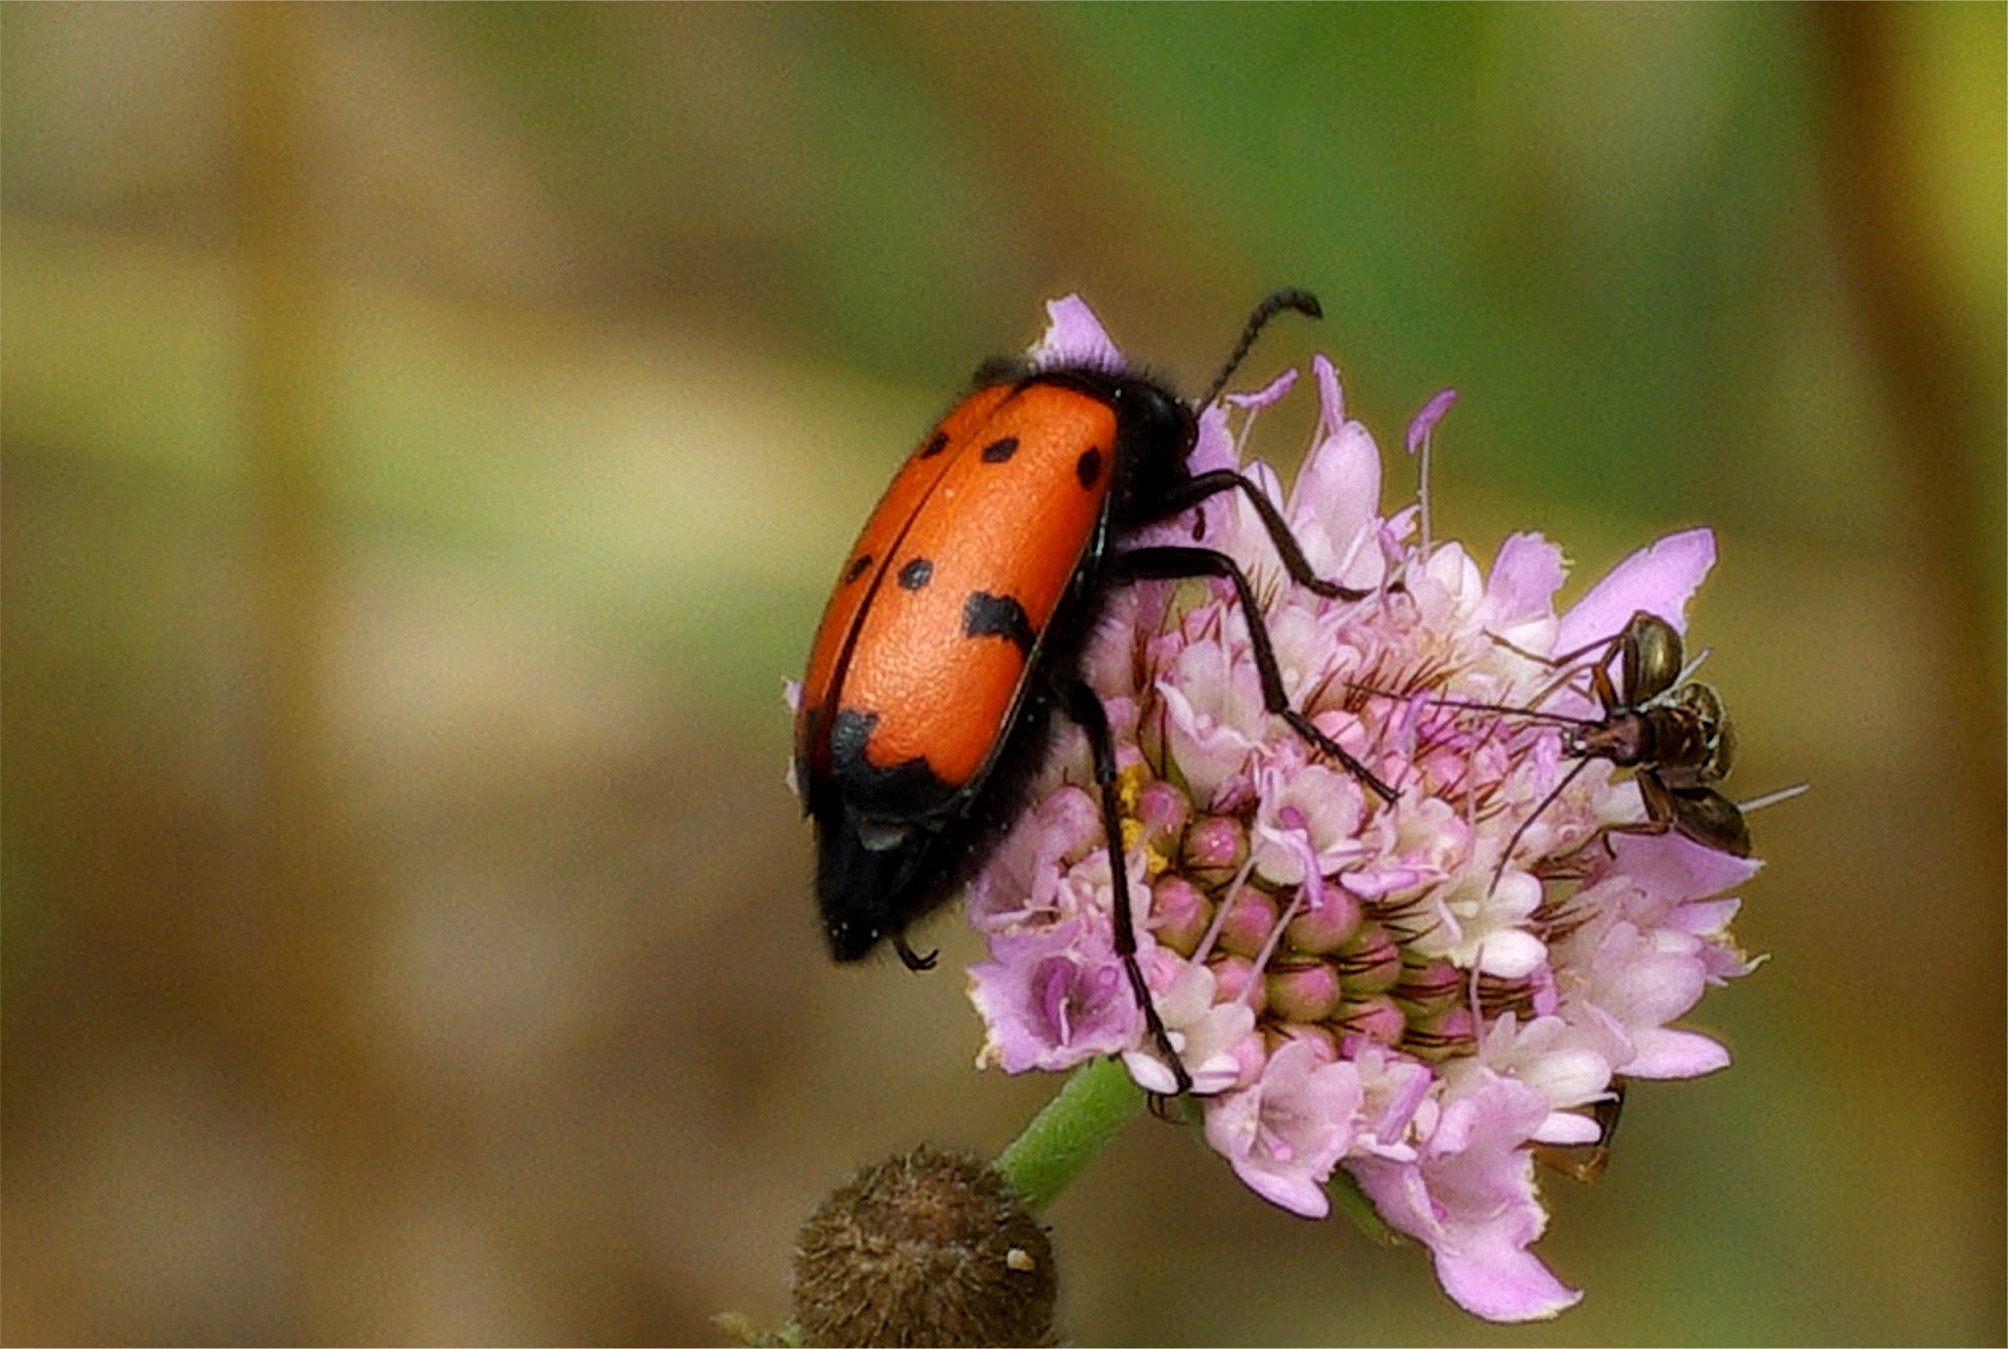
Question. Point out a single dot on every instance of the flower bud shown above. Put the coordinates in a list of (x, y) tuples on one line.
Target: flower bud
[(1251, 917), (1214, 847), (1371, 961), (1179, 913), (1162, 810), (1428, 986), (1234, 978), (1451, 1031), (1377, 1019), (1304, 990), (926, 1248), (1328, 927)]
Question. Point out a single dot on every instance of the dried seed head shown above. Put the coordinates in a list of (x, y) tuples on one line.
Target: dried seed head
[(928, 1248)]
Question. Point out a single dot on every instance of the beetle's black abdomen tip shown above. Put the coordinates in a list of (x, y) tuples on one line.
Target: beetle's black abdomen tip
[(869, 879), (853, 887), (851, 941)]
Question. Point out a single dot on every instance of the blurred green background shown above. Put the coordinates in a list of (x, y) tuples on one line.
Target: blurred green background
[(429, 434)]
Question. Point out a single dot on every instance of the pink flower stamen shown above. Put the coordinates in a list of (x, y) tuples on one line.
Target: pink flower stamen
[(1207, 943)]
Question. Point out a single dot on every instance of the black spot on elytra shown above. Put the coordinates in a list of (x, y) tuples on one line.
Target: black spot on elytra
[(916, 574), (857, 568), (901, 790), (1088, 468), (997, 451), (985, 615), (935, 445)]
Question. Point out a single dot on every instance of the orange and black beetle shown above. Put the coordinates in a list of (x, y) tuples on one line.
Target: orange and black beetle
[(958, 621)]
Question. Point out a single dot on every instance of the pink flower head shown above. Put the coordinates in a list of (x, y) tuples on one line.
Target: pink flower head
[(1418, 992)]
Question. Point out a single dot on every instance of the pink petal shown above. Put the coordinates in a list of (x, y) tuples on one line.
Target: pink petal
[(1525, 576), (1666, 1053), (1471, 1199), (1284, 1134), (1213, 449), (1074, 336), (1331, 397), (1053, 998), (1673, 866), (1503, 1282), (1660, 579), (1566, 1128), (1291, 1191), (1336, 502), (1704, 918)]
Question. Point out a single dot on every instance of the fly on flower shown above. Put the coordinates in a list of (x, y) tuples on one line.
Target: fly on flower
[(1673, 731), (1419, 993)]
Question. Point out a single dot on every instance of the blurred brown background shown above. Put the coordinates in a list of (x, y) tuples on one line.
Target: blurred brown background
[(429, 434)]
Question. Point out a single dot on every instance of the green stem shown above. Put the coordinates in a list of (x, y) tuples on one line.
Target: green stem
[(1098, 1100)]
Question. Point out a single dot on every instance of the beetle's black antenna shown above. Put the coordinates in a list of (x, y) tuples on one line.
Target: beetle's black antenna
[(1302, 301)]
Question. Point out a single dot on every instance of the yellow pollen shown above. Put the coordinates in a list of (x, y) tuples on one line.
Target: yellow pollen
[(1129, 786)]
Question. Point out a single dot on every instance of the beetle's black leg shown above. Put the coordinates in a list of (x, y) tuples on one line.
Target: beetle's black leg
[(1086, 710), (1196, 489), (911, 958), (1164, 564)]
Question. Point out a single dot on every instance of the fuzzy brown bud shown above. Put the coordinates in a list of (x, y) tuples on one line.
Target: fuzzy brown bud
[(921, 1249)]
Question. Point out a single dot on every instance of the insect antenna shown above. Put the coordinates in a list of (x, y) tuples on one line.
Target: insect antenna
[(1301, 301), (1506, 854), (1504, 710), (1531, 714)]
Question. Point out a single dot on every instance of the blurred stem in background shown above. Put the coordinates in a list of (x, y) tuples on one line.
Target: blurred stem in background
[(1894, 273), (313, 918)]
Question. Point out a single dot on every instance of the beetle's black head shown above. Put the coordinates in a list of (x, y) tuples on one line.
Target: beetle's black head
[(1155, 422), (1155, 434)]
